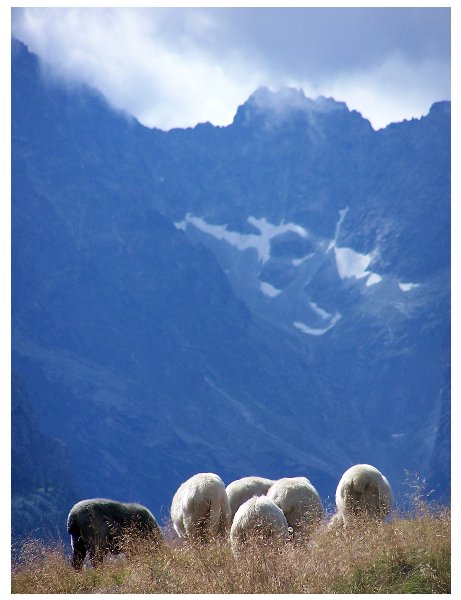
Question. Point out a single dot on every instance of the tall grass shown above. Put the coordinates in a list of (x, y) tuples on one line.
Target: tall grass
[(405, 555)]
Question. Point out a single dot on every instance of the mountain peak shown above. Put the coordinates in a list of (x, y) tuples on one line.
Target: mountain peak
[(276, 107), (292, 98), (443, 107)]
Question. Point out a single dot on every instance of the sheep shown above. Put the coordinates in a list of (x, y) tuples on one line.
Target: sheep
[(362, 491), (100, 526), (200, 508), (258, 519), (300, 503), (243, 489)]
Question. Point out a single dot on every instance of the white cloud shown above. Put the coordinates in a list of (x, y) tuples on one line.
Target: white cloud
[(175, 67), (393, 90), (152, 64)]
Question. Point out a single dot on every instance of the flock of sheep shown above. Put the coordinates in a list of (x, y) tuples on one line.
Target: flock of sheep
[(250, 508)]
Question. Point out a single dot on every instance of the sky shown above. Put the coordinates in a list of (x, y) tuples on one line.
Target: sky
[(175, 67)]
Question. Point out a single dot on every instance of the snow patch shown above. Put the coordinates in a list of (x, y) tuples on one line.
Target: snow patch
[(351, 264), (181, 225), (373, 279), (342, 215), (269, 231), (406, 287), (316, 331), (298, 261), (243, 241), (319, 311), (269, 290)]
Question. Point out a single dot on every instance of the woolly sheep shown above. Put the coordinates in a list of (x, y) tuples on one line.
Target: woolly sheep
[(362, 491), (100, 526), (257, 519), (300, 503), (243, 489), (200, 508)]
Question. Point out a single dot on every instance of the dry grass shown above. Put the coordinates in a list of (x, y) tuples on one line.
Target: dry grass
[(406, 555)]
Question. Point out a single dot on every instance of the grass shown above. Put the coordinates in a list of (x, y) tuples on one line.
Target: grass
[(405, 555)]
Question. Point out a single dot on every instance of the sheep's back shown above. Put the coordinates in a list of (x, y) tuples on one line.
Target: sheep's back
[(258, 517), (298, 499), (202, 498), (364, 487), (101, 519), (241, 490)]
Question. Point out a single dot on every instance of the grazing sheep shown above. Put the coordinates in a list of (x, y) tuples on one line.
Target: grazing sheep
[(200, 508), (258, 519), (362, 491), (100, 526), (300, 503), (243, 489)]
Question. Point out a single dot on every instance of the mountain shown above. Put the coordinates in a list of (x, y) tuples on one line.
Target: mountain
[(271, 297), (41, 476)]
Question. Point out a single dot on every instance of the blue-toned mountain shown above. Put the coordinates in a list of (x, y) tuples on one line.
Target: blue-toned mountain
[(270, 297), (41, 476)]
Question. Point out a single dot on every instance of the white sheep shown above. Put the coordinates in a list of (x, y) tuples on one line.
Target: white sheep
[(362, 491), (258, 519), (200, 508), (300, 503), (243, 489)]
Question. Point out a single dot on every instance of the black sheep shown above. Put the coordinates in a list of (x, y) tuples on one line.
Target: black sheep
[(100, 526)]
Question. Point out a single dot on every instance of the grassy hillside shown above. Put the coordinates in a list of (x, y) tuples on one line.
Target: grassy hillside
[(406, 555)]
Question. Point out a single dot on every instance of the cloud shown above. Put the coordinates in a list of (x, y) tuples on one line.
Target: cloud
[(394, 90), (322, 43), (175, 67), (152, 64)]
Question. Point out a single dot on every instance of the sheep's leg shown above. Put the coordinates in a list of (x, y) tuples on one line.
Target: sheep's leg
[(198, 528), (78, 553), (203, 530), (205, 525), (224, 518), (96, 557)]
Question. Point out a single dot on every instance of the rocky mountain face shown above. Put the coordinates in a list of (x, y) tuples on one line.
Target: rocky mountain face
[(41, 475), (271, 297)]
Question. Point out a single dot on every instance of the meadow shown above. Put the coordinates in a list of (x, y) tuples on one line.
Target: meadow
[(407, 554)]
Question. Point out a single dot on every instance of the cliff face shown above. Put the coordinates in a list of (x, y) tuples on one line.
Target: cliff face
[(41, 474), (270, 297)]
